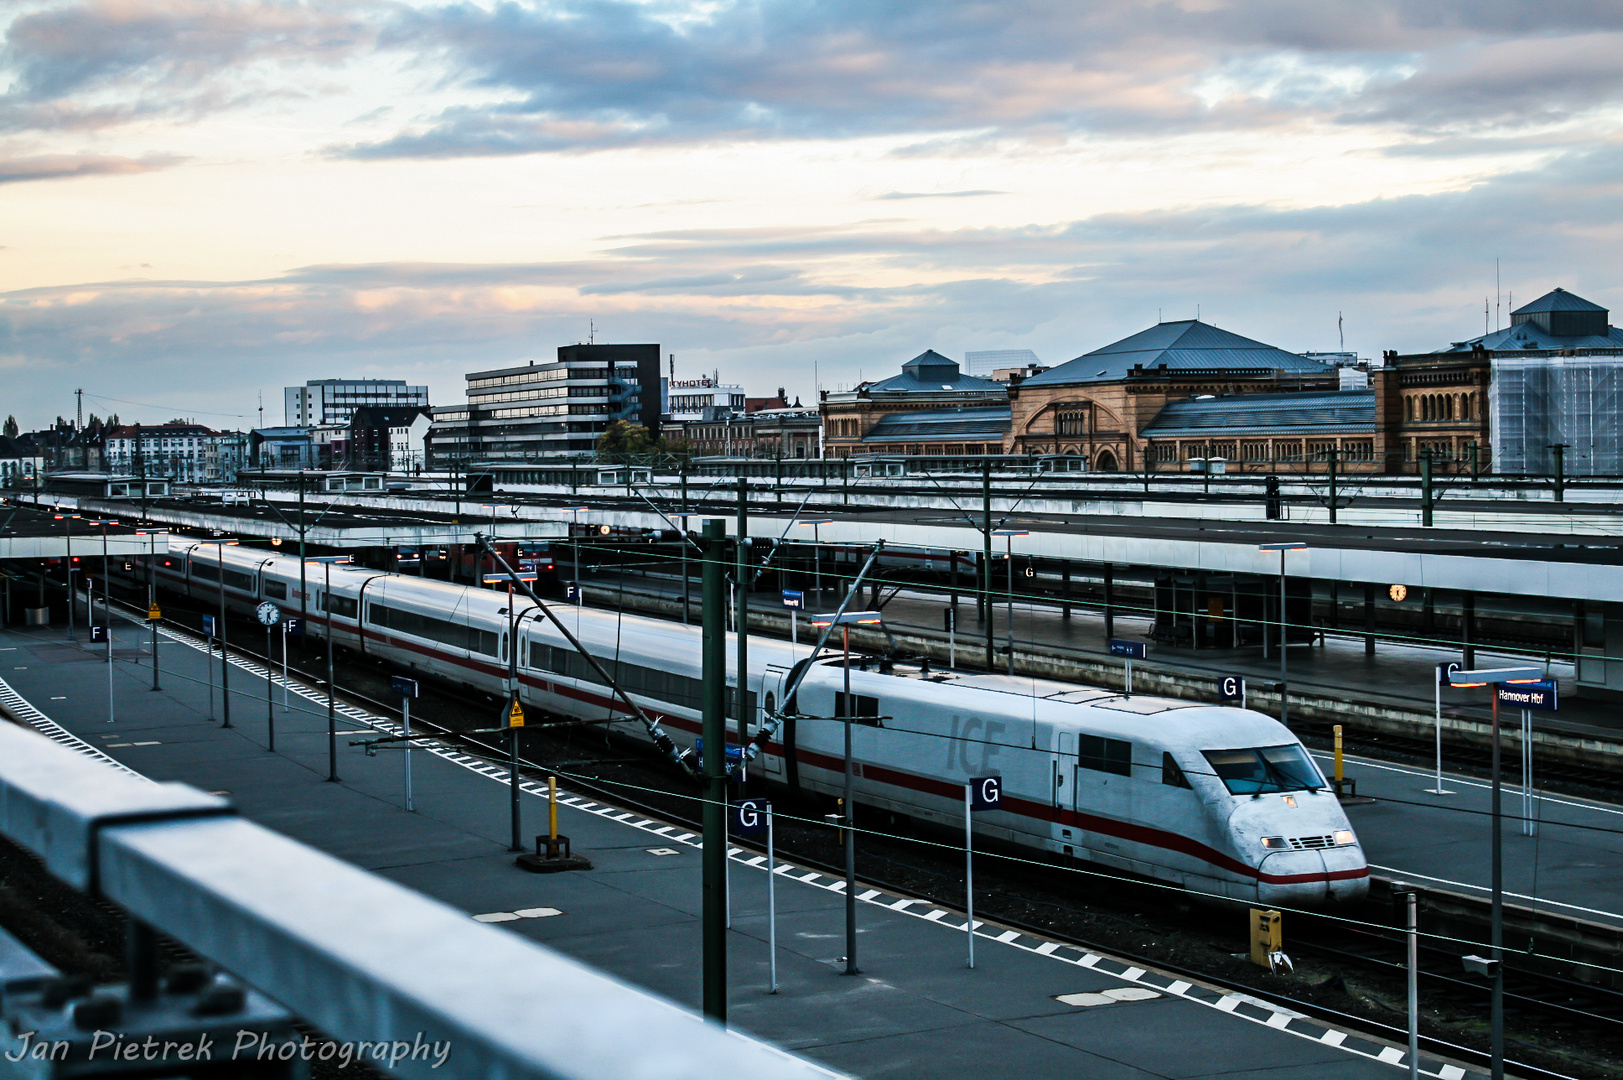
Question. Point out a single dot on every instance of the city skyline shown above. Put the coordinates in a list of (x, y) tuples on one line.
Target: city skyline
[(206, 201)]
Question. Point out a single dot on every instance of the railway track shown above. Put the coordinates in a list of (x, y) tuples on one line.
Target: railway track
[(1108, 917)]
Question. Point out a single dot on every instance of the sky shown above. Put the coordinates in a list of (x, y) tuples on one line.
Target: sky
[(203, 202)]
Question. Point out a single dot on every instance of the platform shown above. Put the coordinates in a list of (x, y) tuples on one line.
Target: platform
[(1031, 1006)]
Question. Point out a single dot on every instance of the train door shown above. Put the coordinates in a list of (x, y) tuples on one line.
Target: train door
[(773, 682)]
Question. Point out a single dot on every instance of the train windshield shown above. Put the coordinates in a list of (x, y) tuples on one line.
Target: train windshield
[(1265, 769)]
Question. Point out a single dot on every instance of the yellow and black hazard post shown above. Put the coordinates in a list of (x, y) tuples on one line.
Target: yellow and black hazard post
[(515, 720), (153, 615)]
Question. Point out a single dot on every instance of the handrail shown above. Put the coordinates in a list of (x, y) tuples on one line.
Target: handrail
[(355, 955)]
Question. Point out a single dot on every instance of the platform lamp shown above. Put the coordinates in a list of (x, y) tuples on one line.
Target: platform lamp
[(845, 620), (220, 544), (152, 591), (326, 609), (67, 520), (1008, 553), (1494, 967), (574, 543), (1281, 547), (817, 549)]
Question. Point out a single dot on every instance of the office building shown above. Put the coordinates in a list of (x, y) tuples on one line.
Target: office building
[(541, 409), (334, 401)]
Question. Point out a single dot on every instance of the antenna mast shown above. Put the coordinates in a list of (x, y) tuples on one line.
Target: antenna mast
[(79, 410)]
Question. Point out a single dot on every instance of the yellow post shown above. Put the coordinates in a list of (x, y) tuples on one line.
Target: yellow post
[(552, 807), (1338, 757), (1267, 937)]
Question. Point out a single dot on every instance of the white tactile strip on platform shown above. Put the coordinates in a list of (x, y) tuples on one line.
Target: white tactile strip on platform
[(25, 713), (1234, 1003)]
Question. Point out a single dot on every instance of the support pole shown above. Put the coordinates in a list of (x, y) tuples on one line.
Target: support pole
[(270, 695), (1468, 629), (1496, 937), (1110, 601), (849, 808), (1425, 487), (986, 565), (714, 852), (225, 663), (1065, 592), (771, 906), (332, 719), (1331, 463), (405, 729), (514, 809), (1369, 620), (1412, 924), (741, 610), (969, 869)]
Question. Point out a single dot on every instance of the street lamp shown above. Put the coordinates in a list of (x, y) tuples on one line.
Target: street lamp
[(326, 609), (67, 520), (817, 548), (574, 544), (1008, 553), (845, 620), (1281, 547), (1494, 677), (225, 664), (152, 592)]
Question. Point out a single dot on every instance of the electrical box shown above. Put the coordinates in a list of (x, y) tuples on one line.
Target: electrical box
[(1267, 938)]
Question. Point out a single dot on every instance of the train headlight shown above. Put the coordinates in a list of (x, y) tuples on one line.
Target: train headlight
[(1344, 837), (1275, 843)]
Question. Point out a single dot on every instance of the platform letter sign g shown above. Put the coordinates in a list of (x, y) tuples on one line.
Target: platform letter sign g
[(1230, 688), (985, 792), (749, 817)]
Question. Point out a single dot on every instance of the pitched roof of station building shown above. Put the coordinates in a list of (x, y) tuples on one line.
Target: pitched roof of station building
[(986, 424), (1337, 412), (930, 372), (1555, 321), (1187, 345)]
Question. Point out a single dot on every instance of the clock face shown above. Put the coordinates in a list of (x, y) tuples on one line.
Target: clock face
[(269, 614), (1398, 592)]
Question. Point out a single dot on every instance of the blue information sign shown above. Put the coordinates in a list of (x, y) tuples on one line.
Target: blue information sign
[(208, 625), (1132, 650), (985, 792), (1539, 695), (293, 627), (749, 817), (735, 753), (402, 686), (793, 598)]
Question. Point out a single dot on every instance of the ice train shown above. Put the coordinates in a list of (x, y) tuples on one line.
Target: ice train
[(1214, 799)]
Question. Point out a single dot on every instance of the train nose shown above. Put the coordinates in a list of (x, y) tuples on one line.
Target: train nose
[(1313, 878)]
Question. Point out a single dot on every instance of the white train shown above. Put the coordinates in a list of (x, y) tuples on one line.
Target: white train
[(1217, 800)]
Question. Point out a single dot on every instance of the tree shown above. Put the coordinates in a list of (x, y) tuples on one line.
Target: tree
[(622, 441), (10, 429)]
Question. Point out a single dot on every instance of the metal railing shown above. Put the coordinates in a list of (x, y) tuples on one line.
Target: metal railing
[(355, 955)]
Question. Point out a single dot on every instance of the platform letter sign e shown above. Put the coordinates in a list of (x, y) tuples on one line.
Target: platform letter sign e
[(749, 817), (985, 792)]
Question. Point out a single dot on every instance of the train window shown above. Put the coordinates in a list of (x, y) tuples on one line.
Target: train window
[(343, 605), (456, 635), (865, 710), (276, 590), (1266, 769), (1171, 774), (1105, 755)]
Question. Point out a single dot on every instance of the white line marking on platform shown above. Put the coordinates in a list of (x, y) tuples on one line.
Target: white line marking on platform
[(536, 912), (496, 916)]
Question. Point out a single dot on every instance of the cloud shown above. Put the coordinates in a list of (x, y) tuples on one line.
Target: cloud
[(109, 62), (598, 74), (1408, 273), (938, 194), (58, 166)]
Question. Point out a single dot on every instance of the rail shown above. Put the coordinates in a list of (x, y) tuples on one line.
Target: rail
[(359, 957)]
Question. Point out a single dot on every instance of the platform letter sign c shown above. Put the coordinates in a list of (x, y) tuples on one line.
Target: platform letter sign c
[(985, 792), (749, 817), (1230, 688), (1445, 672)]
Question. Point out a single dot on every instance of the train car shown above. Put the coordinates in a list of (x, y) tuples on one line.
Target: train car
[(1217, 800)]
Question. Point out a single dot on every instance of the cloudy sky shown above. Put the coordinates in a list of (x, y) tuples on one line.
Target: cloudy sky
[(201, 201)]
